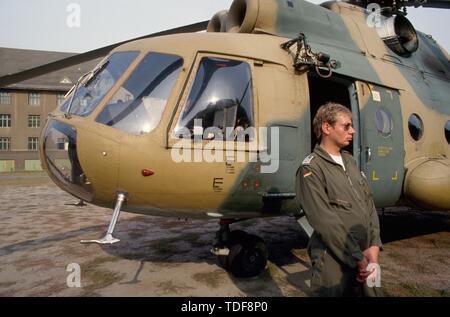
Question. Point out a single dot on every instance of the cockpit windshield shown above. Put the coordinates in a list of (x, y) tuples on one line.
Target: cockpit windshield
[(138, 105), (96, 84)]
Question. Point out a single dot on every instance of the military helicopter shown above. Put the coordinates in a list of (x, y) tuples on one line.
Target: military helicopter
[(216, 124)]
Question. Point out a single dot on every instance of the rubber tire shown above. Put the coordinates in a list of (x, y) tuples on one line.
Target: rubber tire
[(248, 258)]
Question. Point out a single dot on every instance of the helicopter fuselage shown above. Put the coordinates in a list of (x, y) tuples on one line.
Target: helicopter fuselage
[(145, 133)]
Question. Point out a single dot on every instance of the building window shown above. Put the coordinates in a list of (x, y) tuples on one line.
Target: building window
[(34, 99), (5, 98), (34, 121), (5, 121), (59, 99), (33, 144), (5, 144), (61, 143)]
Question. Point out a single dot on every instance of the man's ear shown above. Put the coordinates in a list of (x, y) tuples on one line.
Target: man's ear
[(325, 128)]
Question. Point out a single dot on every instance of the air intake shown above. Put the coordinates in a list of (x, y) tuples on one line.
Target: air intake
[(218, 22), (399, 35), (242, 16)]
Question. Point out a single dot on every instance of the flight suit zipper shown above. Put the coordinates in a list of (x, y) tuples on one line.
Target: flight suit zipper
[(350, 181), (353, 187)]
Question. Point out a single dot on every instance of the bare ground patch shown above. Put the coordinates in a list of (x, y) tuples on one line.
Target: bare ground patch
[(40, 233)]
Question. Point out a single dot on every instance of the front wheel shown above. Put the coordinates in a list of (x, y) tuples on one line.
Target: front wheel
[(247, 257)]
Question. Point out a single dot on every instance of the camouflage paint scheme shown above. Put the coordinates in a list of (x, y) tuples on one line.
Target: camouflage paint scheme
[(399, 168)]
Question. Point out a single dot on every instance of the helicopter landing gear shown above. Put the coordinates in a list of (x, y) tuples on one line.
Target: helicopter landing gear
[(80, 203), (108, 238), (243, 254)]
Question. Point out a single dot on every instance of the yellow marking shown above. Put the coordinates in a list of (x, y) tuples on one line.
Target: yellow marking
[(395, 177), (307, 174), (374, 178), (390, 93), (384, 150), (370, 86)]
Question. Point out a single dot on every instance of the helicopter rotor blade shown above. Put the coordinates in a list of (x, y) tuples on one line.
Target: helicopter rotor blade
[(438, 4), (90, 55)]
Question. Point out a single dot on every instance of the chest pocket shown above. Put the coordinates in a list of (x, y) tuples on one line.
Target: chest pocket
[(341, 204)]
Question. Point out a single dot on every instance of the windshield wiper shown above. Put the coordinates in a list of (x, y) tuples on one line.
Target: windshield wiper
[(95, 72), (74, 91)]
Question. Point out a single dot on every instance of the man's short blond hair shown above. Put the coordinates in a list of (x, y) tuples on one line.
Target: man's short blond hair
[(328, 113)]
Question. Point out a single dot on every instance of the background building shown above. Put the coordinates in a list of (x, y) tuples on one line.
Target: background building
[(24, 106)]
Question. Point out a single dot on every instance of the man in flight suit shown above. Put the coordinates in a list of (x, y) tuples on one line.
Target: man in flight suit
[(338, 204)]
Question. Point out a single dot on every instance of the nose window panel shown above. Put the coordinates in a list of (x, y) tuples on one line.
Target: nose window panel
[(95, 86), (138, 105), (221, 97), (60, 151)]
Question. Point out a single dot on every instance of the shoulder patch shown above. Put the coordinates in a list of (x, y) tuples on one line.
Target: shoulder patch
[(307, 173), (307, 160)]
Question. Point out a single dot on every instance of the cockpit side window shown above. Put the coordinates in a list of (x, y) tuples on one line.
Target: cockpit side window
[(138, 105), (220, 101), (91, 90)]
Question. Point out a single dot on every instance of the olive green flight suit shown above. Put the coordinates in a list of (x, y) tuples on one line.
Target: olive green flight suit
[(339, 206)]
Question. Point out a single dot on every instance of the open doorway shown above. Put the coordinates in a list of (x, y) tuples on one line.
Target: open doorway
[(323, 90)]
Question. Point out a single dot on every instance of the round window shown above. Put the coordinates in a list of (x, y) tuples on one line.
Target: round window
[(447, 131), (415, 126), (383, 120)]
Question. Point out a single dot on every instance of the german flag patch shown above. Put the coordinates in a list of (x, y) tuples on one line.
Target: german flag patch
[(307, 173)]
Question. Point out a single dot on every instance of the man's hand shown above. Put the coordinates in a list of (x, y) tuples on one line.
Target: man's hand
[(362, 272), (371, 254)]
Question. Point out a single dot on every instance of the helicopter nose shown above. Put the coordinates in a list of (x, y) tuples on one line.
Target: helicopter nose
[(60, 159)]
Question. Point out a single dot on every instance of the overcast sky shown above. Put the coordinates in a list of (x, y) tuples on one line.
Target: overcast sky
[(55, 25)]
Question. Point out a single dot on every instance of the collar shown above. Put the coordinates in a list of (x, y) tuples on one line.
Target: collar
[(324, 154)]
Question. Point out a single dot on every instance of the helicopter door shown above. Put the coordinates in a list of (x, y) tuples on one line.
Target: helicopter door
[(381, 132)]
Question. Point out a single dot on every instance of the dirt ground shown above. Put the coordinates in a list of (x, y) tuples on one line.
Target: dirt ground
[(40, 233)]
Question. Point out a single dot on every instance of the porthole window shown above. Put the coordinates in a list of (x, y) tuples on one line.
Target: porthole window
[(383, 120), (447, 131), (415, 126)]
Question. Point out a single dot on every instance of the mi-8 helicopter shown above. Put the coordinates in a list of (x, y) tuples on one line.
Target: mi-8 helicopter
[(217, 124)]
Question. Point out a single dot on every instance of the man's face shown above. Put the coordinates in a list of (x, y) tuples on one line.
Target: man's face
[(341, 133)]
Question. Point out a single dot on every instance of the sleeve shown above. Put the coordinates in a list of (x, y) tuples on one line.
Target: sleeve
[(319, 212), (375, 227)]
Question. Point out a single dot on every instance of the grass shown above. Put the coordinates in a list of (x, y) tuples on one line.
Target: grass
[(98, 278), (211, 279), (405, 289), (169, 288)]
